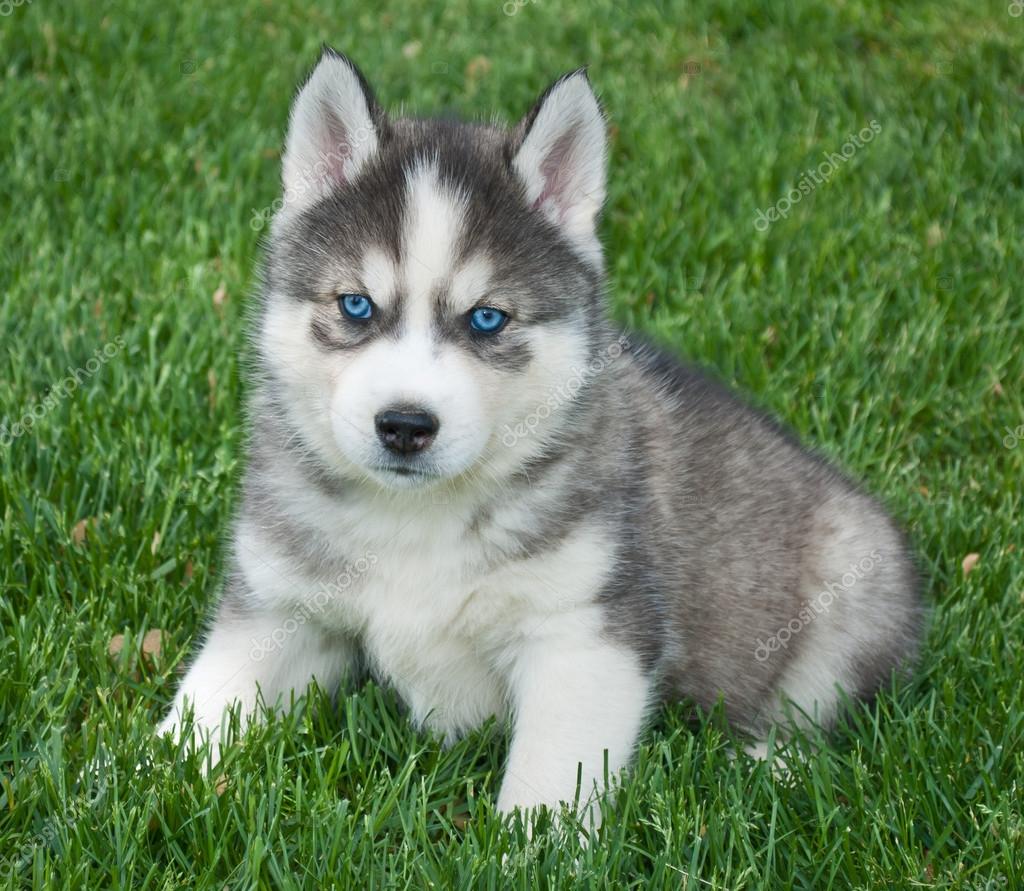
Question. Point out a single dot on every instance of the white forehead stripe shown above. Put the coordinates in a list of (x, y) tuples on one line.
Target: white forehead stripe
[(379, 275), (433, 223)]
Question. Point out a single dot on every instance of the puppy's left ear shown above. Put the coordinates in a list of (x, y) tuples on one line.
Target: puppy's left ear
[(335, 128), (560, 156)]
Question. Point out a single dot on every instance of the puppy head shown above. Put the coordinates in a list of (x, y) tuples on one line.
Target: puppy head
[(430, 283)]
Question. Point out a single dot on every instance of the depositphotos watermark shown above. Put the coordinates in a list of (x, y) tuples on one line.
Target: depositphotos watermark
[(816, 176), (78, 808), (61, 390), (1013, 437), (310, 177), (814, 608), (306, 610), (513, 6), (8, 6), (564, 392)]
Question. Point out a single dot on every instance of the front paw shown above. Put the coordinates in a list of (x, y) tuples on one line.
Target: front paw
[(191, 737), (169, 725), (581, 811)]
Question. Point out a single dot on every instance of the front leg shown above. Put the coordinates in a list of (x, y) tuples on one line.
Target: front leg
[(576, 695), (255, 654)]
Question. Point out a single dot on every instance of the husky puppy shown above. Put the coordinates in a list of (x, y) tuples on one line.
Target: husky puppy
[(465, 480)]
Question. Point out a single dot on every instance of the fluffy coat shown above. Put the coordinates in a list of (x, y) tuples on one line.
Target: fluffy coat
[(591, 528)]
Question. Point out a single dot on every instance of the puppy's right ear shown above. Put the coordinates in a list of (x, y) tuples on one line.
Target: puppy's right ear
[(335, 128)]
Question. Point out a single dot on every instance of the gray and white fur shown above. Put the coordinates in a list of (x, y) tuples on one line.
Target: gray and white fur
[(564, 526)]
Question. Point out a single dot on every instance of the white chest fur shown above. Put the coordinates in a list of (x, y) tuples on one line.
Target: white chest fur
[(437, 617)]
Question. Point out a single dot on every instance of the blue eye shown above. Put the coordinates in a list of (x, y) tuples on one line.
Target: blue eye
[(487, 319), (356, 306)]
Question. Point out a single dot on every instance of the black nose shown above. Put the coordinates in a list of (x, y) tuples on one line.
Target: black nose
[(405, 432)]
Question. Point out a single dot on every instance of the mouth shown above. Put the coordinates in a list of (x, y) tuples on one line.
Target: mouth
[(404, 476)]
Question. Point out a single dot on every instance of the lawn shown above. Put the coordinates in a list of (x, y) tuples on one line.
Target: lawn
[(879, 312)]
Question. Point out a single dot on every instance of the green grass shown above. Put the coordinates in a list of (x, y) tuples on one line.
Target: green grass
[(882, 319)]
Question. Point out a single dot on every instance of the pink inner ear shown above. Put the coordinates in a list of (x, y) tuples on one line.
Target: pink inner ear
[(556, 171), (337, 149), (336, 163)]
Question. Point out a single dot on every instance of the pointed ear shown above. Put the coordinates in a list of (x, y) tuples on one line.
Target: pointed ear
[(334, 129), (560, 157)]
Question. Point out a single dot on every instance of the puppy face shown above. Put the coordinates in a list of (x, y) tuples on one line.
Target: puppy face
[(429, 283)]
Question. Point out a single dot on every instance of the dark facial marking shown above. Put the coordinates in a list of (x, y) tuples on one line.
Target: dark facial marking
[(507, 349), (332, 330)]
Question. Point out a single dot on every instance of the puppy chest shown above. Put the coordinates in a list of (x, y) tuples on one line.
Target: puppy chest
[(418, 615), (433, 643)]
